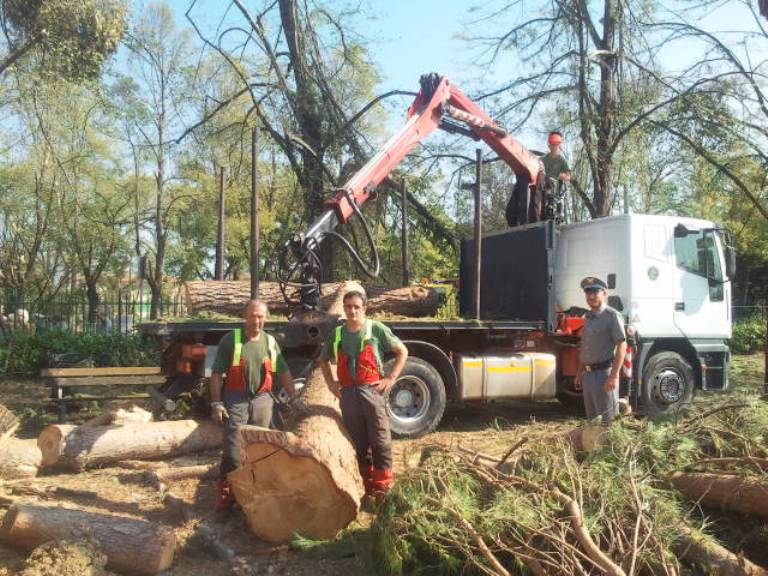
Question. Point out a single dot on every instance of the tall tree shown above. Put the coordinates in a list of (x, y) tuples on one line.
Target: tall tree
[(69, 38), (159, 60)]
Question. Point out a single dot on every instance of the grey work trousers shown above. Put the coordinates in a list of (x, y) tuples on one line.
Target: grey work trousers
[(243, 409), (365, 418), (597, 401)]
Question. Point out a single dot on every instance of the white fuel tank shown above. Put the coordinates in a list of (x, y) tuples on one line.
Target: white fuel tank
[(524, 375)]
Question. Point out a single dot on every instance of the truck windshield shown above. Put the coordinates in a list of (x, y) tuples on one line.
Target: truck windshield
[(697, 252)]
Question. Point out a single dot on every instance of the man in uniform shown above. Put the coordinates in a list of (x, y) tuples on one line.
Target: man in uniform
[(241, 387), (603, 345), (358, 347)]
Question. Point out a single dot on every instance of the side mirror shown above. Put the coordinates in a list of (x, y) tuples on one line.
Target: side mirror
[(681, 231), (616, 303)]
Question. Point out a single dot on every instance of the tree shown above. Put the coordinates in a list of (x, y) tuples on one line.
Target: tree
[(159, 57), (68, 38)]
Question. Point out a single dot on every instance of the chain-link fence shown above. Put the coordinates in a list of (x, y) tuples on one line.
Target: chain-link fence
[(741, 313), (72, 314)]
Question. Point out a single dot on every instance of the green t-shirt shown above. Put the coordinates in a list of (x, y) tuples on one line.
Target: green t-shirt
[(254, 352), (384, 342), (555, 166)]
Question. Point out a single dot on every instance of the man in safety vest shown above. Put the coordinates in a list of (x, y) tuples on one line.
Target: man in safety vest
[(241, 387), (358, 348)]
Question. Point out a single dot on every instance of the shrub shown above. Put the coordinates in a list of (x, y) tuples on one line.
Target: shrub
[(27, 353), (748, 335)]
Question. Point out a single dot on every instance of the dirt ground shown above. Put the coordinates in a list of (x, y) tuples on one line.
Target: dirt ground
[(489, 429)]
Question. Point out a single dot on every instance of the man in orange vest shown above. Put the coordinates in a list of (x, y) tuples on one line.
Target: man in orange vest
[(241, 387), (358, 348)]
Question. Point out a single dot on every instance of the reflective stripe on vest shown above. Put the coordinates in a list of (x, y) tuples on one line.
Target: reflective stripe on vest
[(237, 351), (367, 335)]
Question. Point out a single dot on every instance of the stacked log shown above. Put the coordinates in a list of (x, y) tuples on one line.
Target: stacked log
[(304, 481), (78, 447), (132, 546), (19, 458), (230, 297)]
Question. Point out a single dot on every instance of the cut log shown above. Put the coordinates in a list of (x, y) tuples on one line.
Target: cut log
[(304, 481), (161, 478), (587, 438), (132, 546), (79, 447), (8, 422), (119, 414), (695, 548), (19, 458), (230, 297), (732, 493)]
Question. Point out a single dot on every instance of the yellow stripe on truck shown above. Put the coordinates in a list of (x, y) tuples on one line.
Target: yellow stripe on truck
[(508, 369), (473, 364)]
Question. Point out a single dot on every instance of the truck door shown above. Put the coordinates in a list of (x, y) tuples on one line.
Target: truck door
[(702, 294)]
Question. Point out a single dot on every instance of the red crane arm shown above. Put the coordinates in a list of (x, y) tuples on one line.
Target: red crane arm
[(425, 115)]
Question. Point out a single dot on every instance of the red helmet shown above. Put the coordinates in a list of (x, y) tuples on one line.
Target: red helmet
[(555, 138)]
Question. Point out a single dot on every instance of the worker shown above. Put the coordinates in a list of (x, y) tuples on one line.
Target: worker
[(357, 348), (241, 387), (555, 166), (603, 345)]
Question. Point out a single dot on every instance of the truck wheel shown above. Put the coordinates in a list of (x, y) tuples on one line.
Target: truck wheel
[(416, 401), (668, 384)]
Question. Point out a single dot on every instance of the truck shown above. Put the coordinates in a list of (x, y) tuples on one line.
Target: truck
[(669, 276)]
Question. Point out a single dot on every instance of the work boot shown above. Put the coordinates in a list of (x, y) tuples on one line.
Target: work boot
[(225, 499), (366, 472), (382, 481)]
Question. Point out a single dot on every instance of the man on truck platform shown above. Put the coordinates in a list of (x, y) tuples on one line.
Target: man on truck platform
[(241, 387), (358, 348), (555, 165), (603, 345)]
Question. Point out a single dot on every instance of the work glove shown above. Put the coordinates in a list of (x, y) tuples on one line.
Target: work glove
[(218, 412)]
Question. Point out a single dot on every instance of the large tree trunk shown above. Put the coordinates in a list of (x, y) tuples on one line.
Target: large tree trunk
[(230, 297), (696, 549), (79, 447), (132, 546), (731, 493), (304, 481), (19, 458)]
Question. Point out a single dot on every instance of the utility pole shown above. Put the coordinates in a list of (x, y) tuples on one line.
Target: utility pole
[(478, 229), (219, 269), (254, 214), (406, 253)]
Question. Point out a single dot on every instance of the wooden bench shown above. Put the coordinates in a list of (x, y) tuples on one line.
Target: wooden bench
[(60, 379)]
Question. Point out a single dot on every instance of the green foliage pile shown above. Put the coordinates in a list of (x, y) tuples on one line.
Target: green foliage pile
[(431, 521), (748, 335), (27, 353)]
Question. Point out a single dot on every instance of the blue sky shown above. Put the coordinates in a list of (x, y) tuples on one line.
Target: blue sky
[(407, 38)]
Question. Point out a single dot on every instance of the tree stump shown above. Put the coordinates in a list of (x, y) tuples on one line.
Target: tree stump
[(79, 447), (304, 481), (132, 546)]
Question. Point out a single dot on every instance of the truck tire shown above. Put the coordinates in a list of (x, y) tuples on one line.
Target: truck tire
[(668, 384), (416, 401)]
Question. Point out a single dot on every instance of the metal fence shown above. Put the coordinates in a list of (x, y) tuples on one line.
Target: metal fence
[(746, 312), (71, 313)]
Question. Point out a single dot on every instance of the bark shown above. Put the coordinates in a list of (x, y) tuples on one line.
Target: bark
[(230, 297), (19, 458), (79, 447), (695, 548), (587, 438), (120, 415), (304, 481), (730, 493), (132, 546)]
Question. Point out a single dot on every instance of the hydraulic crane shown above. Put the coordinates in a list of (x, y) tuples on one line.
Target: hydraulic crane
[(438, 104)]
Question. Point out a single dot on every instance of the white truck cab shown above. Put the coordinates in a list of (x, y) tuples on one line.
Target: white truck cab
[(670, 277)]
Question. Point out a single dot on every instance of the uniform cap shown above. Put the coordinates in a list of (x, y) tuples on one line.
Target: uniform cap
[(592, 283), (555, 138)]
